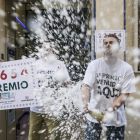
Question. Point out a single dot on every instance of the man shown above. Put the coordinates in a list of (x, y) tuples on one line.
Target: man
[(109, 79), (47, 112)]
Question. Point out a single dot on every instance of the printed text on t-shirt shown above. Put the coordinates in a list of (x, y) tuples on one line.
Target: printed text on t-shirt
[(106, 84)]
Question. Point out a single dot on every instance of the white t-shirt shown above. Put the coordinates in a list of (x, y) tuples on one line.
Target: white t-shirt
[(107, 83), (48, 72)]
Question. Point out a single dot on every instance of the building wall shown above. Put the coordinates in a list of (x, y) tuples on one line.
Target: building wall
[(2, 29), (2, 50), (129, 30), (109, 16), (135, 13), (133, 125)]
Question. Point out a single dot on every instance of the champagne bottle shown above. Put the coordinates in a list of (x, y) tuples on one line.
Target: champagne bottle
[(96, 114)]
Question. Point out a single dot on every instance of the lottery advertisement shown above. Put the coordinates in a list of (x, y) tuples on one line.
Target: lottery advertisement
[(17, 84), (100, 35)]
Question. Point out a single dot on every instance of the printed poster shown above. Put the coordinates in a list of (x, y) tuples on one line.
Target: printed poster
[(101, 34), (17, 84)]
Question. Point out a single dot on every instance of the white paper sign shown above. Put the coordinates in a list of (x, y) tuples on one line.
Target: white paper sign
[(17, 84), (101, 34)]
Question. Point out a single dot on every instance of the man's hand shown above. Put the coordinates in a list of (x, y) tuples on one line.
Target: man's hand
[(105, 112), (86, 108), (108, 115), (104, 118), (119, 101)]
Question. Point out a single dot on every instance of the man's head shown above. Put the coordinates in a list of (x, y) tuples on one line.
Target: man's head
[(45, 49), (48, 52), (111, 45), (47, 46)]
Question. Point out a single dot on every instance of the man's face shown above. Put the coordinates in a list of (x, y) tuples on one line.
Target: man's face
[(47, 47), (111, 46)]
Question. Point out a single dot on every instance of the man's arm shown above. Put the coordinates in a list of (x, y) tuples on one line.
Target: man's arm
[(118, 102), (85, 91)]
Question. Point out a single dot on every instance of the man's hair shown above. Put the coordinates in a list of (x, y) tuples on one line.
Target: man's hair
[(112, 35)]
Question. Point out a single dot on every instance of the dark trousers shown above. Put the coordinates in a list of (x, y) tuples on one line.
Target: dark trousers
[(93, 132)]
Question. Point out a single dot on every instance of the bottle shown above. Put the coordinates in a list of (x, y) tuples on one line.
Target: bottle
[(96, 114)]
